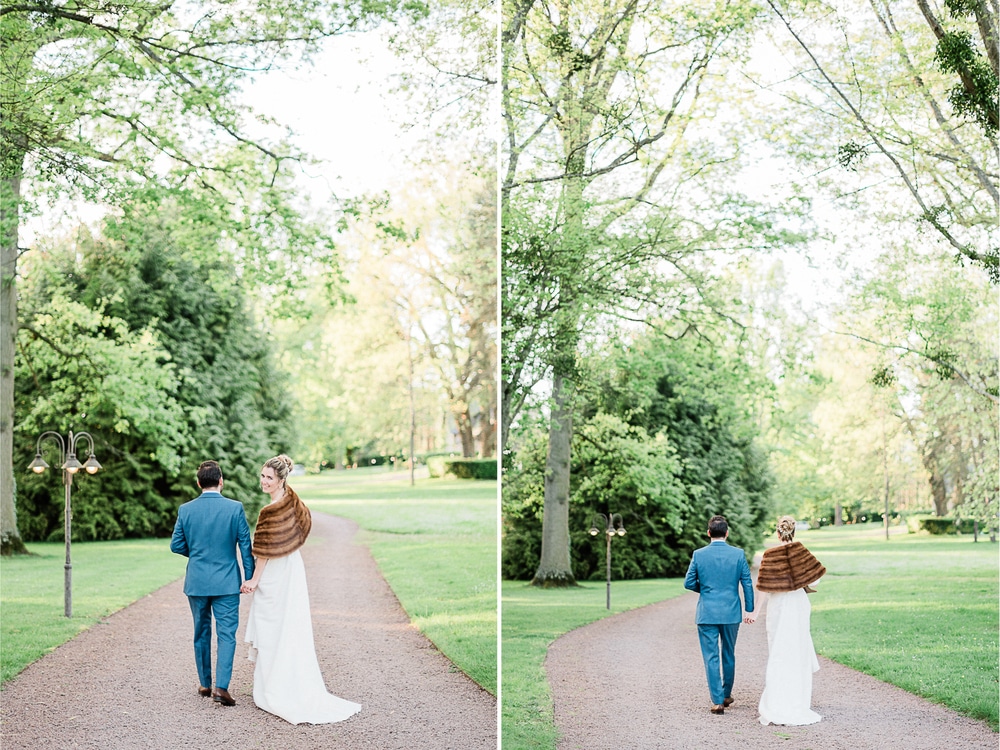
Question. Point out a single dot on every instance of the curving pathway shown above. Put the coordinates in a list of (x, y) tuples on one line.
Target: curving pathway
[(129, 681), (636, 681)]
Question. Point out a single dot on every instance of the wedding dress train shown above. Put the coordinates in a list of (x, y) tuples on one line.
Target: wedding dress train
[(287, 680), (791, 661)]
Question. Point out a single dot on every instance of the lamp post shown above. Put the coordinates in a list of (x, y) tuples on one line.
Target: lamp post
[(613, 525), (69, 466)]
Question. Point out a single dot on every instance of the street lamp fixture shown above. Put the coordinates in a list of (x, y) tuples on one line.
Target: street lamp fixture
[(69, 467), (613, 526)]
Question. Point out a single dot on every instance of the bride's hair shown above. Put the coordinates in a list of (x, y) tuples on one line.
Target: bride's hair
[(786, 528), (281, 465)]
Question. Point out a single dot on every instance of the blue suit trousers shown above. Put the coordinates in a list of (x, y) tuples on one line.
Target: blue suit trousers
[(713, 639), (227, 617)]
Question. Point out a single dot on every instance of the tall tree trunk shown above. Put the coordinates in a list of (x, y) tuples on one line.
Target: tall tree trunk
[(555, 568), (939, 490), (487, 432), (10, 199), (464, 422)]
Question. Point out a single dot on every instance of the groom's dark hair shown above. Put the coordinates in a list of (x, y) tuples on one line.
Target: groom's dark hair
[(717, 527), (209, 474)]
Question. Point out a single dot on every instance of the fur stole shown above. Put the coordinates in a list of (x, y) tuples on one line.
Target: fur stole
[(282, 527), (788, 567)]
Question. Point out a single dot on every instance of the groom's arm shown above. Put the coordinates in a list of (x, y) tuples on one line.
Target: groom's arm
[(691, 580), (246, 548), (747, 582), (178, 542)]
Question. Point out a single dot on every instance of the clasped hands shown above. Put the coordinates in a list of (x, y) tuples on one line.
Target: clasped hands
[(750, 618), (248, 587)]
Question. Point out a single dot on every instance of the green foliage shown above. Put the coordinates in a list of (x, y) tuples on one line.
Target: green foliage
[(956, 53), (472, 468), (656, 450), (159, 359), (976, 97)]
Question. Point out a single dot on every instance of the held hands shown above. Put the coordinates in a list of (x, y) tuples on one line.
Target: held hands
[(248, 587), (750, 618)]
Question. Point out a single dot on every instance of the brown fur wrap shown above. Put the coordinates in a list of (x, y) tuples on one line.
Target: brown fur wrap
[(788, 567), (282, 527)]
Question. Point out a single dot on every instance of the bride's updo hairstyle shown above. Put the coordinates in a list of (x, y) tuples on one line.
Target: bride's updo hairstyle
[(786, 528), (281, 465)]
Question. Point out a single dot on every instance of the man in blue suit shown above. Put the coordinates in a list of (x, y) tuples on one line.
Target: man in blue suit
[(716, 573), (208, 531)]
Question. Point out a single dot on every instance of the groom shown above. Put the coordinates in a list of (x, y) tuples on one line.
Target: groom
[(207, 532), (716, 574)]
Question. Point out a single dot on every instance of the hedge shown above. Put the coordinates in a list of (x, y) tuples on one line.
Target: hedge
[(437, 465), (472, 468), (946, 525)]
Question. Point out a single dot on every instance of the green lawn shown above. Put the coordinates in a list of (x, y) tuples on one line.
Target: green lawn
[(917, 611), (436, 545), (532, 619), (106, 577)]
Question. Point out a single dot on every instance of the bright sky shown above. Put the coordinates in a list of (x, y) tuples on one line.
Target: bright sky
[(340, 109)]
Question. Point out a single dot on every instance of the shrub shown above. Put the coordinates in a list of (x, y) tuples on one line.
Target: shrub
[(914, 521), (946, 525), (437, 464), (173, 371), (472, 468)]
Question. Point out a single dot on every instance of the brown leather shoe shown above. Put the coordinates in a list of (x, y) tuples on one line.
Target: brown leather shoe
[(728, 702), (718, 709), (222, 696), (204, 692)]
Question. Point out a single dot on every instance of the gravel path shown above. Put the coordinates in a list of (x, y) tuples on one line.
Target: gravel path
[(636, 681), (129, 681)]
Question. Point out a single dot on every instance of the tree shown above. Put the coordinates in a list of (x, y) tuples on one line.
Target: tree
[(160, 359), (598, 169), (433, 252), (447, 291), (96, 97), (932, 330), (347, 366), (869, 97), (663, 438)]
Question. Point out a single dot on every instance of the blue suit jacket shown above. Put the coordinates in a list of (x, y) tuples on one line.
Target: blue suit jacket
[(716, 573), (208, 531)]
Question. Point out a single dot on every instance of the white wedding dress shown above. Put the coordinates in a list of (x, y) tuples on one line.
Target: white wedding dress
[(286, 679), (791, 661)]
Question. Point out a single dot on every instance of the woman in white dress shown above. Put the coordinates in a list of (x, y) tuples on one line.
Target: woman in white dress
[(286, 680), (786, 572)]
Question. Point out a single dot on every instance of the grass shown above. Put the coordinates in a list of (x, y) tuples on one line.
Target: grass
[(532, 619), (918, 611), (106, 577), (436, 545)]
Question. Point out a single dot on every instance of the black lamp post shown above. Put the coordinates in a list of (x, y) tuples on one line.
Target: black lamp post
[(613, 525), (69, 466)]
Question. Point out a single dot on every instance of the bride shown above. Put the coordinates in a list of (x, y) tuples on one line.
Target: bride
[(286, 680), (786, 571)]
